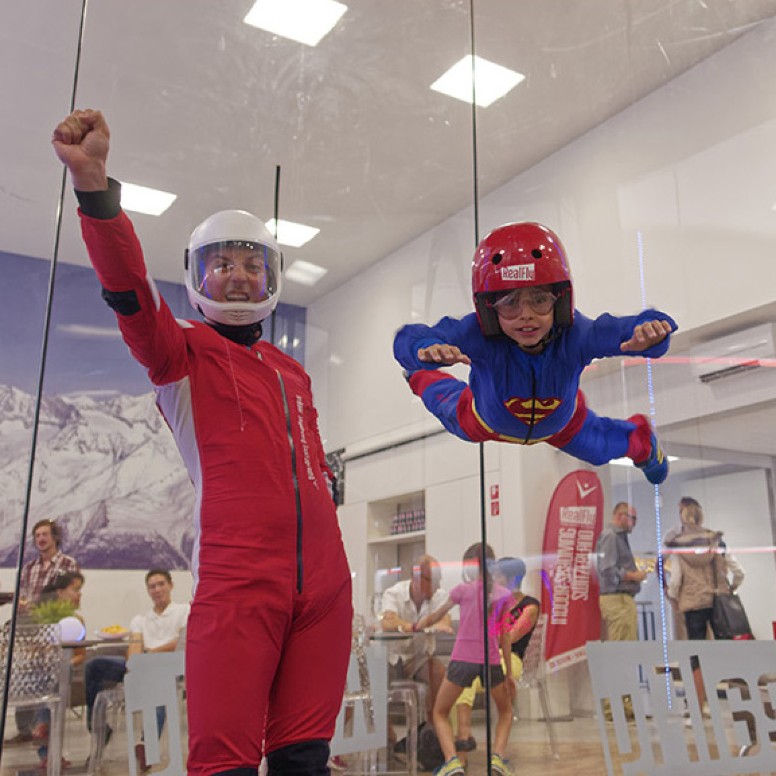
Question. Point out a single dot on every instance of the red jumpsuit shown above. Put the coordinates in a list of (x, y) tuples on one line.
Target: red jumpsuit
[(268, 638)]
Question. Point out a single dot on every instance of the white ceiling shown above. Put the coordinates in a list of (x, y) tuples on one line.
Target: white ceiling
[(202, 105)]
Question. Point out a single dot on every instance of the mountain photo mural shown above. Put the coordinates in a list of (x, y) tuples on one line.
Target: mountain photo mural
[(106, 465), (107, 470)]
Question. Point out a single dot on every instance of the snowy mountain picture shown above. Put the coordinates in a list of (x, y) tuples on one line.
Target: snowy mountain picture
[(107, 470), (106, 465)]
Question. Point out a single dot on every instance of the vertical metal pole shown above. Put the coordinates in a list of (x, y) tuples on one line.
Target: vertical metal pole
[(483, 500), (38, 402)]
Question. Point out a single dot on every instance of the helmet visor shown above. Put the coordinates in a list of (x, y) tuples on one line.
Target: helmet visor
[(235, 271)]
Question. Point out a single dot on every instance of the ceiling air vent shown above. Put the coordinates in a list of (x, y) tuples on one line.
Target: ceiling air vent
[(735, 354)]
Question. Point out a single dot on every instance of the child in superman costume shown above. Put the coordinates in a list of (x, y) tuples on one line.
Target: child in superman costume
[(527, 347)]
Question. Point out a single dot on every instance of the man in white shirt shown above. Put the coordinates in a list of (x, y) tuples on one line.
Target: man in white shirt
[(403, 605), (158, 630)]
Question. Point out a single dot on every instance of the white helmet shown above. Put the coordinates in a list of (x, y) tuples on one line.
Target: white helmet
[(210, 263)]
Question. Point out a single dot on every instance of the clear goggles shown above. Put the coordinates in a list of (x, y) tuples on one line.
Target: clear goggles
[(540, 300), (235, 271)]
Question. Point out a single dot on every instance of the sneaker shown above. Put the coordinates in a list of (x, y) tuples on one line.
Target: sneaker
[(466, 745), (501, 766), (452, 766), (655, 467)]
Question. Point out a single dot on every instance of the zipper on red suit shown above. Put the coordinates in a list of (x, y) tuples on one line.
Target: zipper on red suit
[(294, 479)]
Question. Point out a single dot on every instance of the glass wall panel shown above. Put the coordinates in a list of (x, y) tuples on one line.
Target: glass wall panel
[(39, 51), (615, 132), (344, 137), (620, 139)]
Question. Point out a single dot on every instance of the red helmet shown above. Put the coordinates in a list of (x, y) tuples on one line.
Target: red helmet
[(516, 256)]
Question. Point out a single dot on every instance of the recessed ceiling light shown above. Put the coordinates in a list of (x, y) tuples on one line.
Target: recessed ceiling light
[(292, 234), (305, 21), (492, 81), (140, 199), (304, 272)]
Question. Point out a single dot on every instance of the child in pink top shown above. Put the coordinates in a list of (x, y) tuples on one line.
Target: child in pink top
[(468, 659)]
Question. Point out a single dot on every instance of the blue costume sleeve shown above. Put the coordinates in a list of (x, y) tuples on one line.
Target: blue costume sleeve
[(464, 333), (603, 336)]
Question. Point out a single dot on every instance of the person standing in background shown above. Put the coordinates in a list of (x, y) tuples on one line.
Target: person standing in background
[(619, 582), (469, 661), (521, 621), (619, 578), (671, 562), (51, 561), (36, 575), (700, 568)]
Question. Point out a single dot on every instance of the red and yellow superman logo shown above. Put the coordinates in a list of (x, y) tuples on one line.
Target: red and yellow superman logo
[(533, 409)]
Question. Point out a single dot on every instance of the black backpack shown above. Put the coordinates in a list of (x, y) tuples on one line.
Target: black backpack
[(429, 751)]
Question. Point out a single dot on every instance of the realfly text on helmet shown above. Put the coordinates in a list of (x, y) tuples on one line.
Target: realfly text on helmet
[(520, 255), (233, 266)]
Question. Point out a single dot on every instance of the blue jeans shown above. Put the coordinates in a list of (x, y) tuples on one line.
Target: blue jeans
[(103, 672)]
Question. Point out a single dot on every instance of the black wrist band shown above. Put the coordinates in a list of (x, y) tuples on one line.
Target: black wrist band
[(101, 204)]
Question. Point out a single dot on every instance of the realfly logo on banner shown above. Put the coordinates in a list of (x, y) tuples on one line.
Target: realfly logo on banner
[(570, 589)]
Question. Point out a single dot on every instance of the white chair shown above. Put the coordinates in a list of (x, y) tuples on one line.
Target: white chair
[(152, 680), (362, 724), (108, 701), (40, 676), (419, 688)]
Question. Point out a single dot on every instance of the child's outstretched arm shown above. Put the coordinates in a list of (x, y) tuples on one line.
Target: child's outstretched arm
[(450, 341), (434, 617), (646, 335), (443, 354)]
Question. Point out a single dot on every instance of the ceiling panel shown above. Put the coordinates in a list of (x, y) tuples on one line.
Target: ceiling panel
[(202, 105)]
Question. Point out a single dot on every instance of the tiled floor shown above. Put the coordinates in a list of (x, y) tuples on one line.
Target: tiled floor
[(580, 751), (578, 743), (22, 759)]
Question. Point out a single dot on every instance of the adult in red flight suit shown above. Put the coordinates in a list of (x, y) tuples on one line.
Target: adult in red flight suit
[(268, 637)]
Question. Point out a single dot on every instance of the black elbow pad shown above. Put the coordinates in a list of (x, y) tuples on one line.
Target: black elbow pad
[(121, 302)]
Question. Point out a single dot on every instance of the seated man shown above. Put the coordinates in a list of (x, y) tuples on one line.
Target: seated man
[(403, 605), (158, 630)]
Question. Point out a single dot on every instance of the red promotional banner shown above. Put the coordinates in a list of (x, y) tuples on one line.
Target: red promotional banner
[(570, 588)]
